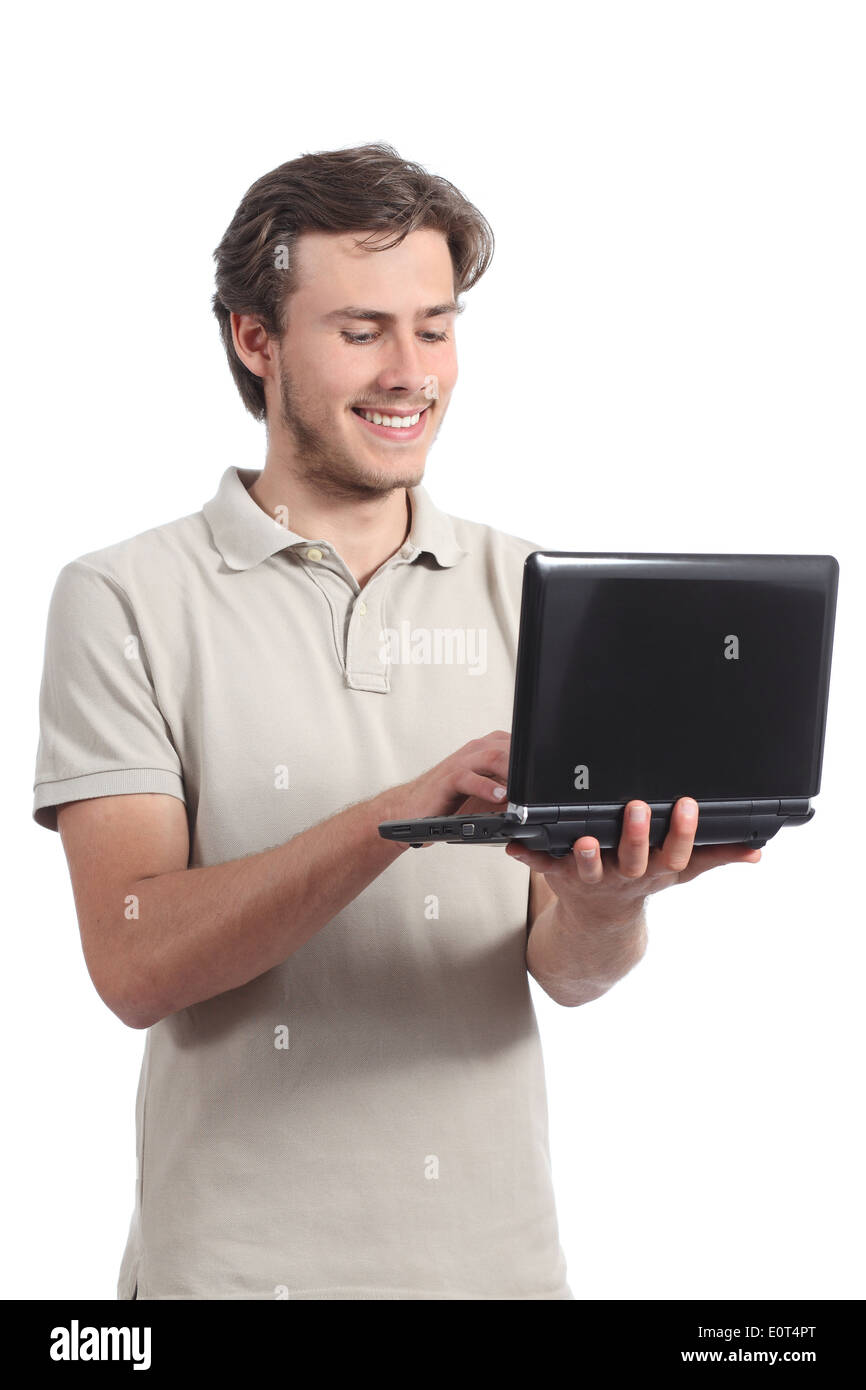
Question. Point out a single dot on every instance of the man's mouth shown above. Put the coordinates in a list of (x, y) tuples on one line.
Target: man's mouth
[(398, 425)]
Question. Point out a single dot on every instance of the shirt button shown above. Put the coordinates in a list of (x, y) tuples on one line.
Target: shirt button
[(362, 608), (406, 551), (314, 553)]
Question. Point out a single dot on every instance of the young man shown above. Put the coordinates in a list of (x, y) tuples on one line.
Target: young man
[(342, 1092)]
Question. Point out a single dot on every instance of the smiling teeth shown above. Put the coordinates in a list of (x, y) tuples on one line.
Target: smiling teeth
[(394, 422)]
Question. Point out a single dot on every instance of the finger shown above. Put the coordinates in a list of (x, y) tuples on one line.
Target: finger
[(489, 783), (486, 788), (711, 856), (675, 852), (587, 857), (495, 765), (633, 851), (536, 859)]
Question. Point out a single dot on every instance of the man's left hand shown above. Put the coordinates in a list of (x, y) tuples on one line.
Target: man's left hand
[(609, 886)]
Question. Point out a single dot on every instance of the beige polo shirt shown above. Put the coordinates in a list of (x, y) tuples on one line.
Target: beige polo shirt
[(367, 1120)]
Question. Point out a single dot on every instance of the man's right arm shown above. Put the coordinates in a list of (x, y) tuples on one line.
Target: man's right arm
[(159, 936)]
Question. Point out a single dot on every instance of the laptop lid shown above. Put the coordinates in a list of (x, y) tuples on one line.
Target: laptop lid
[(660, 676)]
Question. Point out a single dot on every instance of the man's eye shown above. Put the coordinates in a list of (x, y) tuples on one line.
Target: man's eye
[(362, 339)]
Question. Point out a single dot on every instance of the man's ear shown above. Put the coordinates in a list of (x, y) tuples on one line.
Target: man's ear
[(251, 343)]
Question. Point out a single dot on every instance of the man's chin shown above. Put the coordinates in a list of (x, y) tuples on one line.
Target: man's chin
[(390, 470), (387, 479), (350, 474)]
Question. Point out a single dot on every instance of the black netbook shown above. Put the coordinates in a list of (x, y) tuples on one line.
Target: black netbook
[(653, 677)]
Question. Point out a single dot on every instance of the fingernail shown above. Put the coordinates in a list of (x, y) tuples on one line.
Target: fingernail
[(637, 813), (499, 792), (690, 808), (587, 853)]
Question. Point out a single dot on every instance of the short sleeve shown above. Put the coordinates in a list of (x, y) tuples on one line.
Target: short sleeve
[(101, 731)]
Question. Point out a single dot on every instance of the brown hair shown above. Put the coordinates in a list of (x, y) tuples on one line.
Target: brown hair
[(366, 188)]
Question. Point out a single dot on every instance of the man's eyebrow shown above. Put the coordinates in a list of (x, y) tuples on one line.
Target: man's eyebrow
[(353, 311)]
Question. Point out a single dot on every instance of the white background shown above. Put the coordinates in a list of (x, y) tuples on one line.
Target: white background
[(677, 195)]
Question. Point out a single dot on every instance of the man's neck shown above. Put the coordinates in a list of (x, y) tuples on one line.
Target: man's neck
[(364, 532)]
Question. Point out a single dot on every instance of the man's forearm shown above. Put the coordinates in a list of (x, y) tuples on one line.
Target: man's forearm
[(575, 962), (202, 931)]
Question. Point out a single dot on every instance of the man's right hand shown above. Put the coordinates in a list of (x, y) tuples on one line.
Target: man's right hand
[(462, 784)]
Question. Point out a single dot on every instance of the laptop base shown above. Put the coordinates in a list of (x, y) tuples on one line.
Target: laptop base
[(554, 829)]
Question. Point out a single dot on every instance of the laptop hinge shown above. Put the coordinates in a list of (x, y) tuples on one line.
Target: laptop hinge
[(534, 815)]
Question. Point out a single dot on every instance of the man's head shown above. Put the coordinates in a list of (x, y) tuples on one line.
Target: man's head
[(349, 229)]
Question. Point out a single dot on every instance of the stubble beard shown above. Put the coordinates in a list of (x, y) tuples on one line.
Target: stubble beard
[(333, 468)]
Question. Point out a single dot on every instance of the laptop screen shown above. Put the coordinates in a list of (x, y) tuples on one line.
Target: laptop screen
[(661, 677)]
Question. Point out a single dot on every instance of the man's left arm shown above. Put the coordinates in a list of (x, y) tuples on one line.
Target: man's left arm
[(587, 920)]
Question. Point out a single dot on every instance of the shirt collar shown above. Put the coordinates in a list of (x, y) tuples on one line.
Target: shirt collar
[(245, 535)]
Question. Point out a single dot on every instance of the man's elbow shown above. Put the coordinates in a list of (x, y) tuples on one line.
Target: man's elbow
[(140, 1021), (575, 995), (129, 1004), (133, 1012)]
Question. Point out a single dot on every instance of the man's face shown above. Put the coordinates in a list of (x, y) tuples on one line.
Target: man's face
[(332, 362)]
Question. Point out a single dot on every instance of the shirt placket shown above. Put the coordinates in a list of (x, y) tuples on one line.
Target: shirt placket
[(358, 615)]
